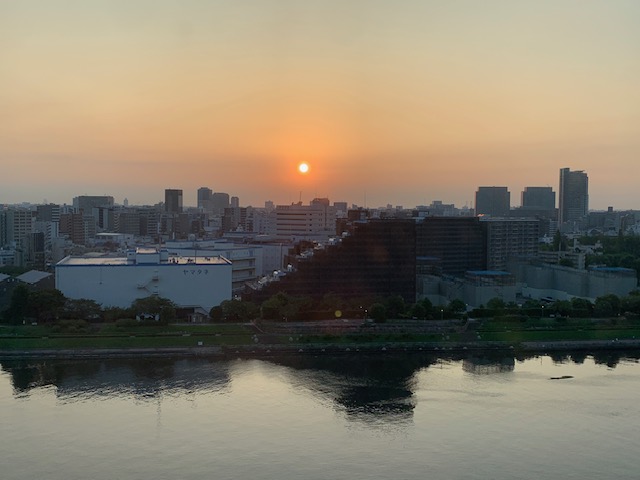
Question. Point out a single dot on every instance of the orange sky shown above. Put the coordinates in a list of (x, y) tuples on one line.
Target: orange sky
[(402, 102)]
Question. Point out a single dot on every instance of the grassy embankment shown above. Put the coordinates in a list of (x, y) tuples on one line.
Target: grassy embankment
[(110, 336), (559, 329), (83, 336)]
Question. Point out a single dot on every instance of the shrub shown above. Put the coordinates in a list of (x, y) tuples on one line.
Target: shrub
[(123, 323)]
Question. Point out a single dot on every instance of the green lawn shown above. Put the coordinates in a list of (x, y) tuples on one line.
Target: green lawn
[(515, 336), (28, 337), (22, 343)]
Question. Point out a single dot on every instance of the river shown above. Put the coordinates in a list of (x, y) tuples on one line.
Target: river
[(350, 417)]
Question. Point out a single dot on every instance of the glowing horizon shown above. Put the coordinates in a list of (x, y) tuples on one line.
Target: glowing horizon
[(408, 102)]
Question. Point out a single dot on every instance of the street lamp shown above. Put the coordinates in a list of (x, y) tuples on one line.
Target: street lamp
[(542, 314)]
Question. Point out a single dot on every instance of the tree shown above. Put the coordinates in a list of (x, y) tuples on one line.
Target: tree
[(457, 306), (273, 307), (418, 311), (46, 305), (215, 314), (496, 303), (630, 303), (82, 309), (18, 305), (614, 300), (562, 307), (559, 242), (112, 314), (395, 306), (531, 303), (238, 311), (565, 262), (378, 312), (283, 307), (153, 305), (606, 306), (428, 306), (581, 307)]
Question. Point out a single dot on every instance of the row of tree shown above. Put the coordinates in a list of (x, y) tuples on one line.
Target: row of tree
[(285, 307), (47, 306), (606, 306)]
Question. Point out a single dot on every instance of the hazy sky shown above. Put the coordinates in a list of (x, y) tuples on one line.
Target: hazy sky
[(403, 101)]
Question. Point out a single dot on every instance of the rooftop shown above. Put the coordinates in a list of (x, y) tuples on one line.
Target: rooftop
[(488, 272), (33, 276), (112, 260)]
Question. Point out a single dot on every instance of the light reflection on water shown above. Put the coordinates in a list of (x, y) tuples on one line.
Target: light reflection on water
[(357, 417)]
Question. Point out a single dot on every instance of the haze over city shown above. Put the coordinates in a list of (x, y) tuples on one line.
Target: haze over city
[(401, 102)]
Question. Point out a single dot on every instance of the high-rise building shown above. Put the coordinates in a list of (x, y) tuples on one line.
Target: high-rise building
[(15, 225), (573, 202), (77, 226), (494, 201), (48, 213), (511, 238), (204, 198), (88, 202), (539, 198), (235, 202), (450, 245), (219, 201), (173, 200)]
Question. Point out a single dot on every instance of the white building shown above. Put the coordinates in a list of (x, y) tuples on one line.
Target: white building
[(316, 221), (246, 260), (190, 282)]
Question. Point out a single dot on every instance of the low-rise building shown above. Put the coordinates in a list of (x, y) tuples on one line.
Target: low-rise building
[(190, 282), (557, 282)]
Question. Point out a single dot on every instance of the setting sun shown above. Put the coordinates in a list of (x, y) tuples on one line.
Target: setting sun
[(303, 168)]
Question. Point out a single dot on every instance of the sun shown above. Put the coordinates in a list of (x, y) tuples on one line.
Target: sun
[(303, 167)]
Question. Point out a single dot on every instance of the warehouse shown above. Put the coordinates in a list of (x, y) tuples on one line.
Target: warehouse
[(190, 282)]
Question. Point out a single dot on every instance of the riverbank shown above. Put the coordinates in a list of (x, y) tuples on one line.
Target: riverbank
[(314, 338), (265, 351)]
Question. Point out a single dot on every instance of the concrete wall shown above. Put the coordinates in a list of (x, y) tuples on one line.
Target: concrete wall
[(479, 295), (563, 283)]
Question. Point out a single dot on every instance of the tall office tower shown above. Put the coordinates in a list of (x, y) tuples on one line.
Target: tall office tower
[(204, 198), (573, 202), (173, 200), (219, 201), (494, 201), (539, 198), (235, 202)]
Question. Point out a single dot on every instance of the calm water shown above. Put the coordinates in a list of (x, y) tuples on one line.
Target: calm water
[(323, 418)]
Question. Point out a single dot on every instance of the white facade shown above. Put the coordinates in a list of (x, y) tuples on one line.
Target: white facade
[(246, 260), (303, 222), (201, 282)]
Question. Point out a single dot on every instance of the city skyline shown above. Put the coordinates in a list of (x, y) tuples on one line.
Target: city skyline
[(400, 104)]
